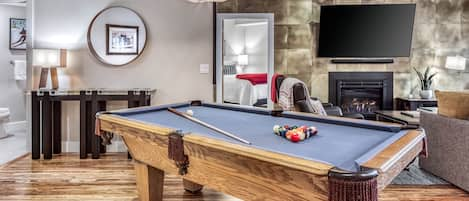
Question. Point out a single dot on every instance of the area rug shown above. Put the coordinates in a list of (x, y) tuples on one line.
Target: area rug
[(414, 175)]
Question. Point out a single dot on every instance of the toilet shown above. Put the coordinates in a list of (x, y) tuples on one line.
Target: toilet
[(4, 118)]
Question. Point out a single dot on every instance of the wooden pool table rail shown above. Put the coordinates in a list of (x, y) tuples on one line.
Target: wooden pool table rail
[(142, 126), (392, 160), (358, 123)]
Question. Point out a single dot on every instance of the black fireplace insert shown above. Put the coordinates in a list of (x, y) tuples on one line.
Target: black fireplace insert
[(361, 92)]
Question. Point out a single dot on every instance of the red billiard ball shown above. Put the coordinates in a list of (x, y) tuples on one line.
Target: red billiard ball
[(295, 138)]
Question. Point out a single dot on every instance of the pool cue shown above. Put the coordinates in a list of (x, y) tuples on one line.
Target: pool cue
[(195, 120)]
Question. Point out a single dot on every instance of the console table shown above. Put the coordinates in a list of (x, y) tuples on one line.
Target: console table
[(396, 116), (414, 103), (47, 110)]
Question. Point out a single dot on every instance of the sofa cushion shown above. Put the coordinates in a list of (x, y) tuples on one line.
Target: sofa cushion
[(453, 104)]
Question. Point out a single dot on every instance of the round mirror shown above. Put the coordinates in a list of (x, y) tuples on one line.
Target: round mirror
[(117, 36)]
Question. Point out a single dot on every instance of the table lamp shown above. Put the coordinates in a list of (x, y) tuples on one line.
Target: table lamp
[(456, 63), (49, 59)]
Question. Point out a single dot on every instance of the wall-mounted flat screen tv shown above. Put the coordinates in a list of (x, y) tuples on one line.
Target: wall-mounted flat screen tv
[(372, 31)]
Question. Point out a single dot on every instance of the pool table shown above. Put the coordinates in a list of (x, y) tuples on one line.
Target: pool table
[(347, 160)]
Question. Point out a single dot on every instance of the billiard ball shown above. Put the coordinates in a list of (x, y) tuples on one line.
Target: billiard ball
[(276, 129), (282, 132), (313, 130), (190, 112), (295, 138), (304, 128), (289, 134), (302, 136)]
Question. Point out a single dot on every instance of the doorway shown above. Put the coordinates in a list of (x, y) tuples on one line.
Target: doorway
[(245, 59), (13, 80)]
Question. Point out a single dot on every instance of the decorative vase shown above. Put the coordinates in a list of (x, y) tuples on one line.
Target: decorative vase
[(426, 94)]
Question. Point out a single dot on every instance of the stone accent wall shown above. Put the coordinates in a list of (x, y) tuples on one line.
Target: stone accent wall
[(441, 29)]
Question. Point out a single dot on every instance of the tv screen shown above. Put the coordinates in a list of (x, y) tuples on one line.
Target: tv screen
[(372, 31)]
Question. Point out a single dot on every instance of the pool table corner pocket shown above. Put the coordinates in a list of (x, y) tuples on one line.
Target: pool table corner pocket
[(361, 185)]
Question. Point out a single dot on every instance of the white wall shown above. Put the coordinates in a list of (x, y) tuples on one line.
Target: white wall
[(179, 39), (257, 48), (250, 40), (12, 91), (234, 41)]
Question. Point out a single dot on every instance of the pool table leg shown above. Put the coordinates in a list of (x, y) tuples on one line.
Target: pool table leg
[(150, 182), (191, 186)]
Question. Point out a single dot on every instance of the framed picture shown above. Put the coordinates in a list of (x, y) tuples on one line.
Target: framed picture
[(121, 40), (17, 34)]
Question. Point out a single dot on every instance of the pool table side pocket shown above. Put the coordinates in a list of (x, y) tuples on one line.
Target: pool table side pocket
[(392, 160)]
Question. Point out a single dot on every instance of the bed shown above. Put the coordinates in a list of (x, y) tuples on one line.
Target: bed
[(243, 92)]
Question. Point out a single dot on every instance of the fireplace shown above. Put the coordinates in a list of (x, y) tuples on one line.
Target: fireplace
[(361, 92)]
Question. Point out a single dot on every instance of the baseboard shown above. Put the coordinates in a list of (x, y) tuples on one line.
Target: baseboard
[(74, 146), (17, 127), (117, 146), (71, 146)]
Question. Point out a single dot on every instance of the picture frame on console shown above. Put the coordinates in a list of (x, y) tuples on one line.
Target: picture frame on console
[(122, 40)]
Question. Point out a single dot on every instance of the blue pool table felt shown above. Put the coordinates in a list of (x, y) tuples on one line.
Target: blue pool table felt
[(345, 147)]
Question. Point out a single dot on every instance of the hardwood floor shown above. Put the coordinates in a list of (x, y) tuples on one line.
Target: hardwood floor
[(112, 177)]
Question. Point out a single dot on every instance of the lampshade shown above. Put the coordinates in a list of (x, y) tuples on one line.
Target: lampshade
[(50, 58), (243, 60), (456, 63)]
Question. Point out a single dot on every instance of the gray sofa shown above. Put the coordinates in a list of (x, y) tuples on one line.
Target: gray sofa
[(448, 148)]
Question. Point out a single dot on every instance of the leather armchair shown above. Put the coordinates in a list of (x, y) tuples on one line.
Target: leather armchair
[(302, 104)]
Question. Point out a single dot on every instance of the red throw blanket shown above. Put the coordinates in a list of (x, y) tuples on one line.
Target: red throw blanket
[(273, 88), (254, 78), (261, 78)]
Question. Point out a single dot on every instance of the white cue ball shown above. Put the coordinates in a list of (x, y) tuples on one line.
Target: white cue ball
[(190, 112)]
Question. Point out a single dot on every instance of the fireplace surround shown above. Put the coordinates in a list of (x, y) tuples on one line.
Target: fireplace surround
[(361, 92)]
